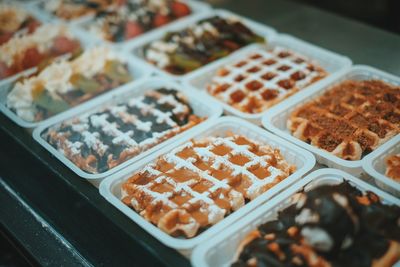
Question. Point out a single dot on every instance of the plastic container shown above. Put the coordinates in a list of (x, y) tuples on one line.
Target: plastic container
[(275, 119), (137, 71), (200, 108), (196, 6), (330, 61), (375, 166), (110, 187), (221, 250), (137, 47)]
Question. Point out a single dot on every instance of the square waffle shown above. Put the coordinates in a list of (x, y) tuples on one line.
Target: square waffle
[(262, 78), (199, 183), (393, 167), (350, 119), (100, 141)]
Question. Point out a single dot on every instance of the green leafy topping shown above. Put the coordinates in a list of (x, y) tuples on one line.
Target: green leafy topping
[(52, 105), (116, 71), (184, 62), (85, 84)]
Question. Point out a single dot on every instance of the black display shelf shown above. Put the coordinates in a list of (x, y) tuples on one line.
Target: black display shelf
[(56, 218)]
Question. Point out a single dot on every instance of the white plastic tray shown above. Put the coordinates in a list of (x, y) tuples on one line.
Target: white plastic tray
[(375, 166), (137, 47), (221, 250), (330, 61), (200, 108), (304, 161), (137, 71), (196, 6), (275, 120)]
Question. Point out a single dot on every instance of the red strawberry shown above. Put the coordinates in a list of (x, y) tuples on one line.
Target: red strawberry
[(32, 58), (33, 25), (180, 9), (5, 37), (63, 45), (5, 71), (132, 29), (160, 20)]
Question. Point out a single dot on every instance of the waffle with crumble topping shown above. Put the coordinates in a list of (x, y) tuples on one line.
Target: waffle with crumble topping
[(263, 78), (393, 167), (199, 183), (350, 119), (97, 142)]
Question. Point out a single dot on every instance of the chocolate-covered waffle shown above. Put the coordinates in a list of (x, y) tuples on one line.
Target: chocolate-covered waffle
[(331, 225), (97, 142), (263, 78), (350, 119), (199, 183)]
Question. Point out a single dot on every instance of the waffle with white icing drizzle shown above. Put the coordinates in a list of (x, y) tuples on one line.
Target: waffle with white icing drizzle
[(350, 119), (263, 78), (97, 142), (199, 183), (393, 167)]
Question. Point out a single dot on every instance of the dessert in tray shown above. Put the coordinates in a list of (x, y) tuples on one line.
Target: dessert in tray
[(99, 141), (263, 78), (191, 48), (350, 119), (14, 19), (199, 183), (393, 167), (331, 225), (65, 83), (24, 51), (135, 17), (72, 9)]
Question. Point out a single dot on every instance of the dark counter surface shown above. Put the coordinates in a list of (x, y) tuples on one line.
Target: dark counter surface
[(55, 218)]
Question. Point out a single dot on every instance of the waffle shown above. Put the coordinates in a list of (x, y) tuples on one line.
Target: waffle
[(100, 141), (331, 225), (210, 39), (393, 167), (72, 9), (66, 83), (262, 78), (349, 120), (25, 51), (199, 183), (136, 17)]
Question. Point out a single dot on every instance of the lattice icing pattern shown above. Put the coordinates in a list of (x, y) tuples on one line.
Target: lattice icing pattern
[(199, 183), (393, 167), (97, 142), (350, 119), (263, 78)]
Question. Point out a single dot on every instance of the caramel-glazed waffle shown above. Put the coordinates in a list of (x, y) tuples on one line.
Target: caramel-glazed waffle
[(393, 167), (197, 184), (349, 120), (263, 78)]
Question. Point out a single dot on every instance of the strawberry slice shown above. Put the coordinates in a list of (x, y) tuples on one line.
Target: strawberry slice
[(5, 71), (63, 45), (5, 37), (180, 9), (132, 29), (32, 58), (33, 25), (160, 20)]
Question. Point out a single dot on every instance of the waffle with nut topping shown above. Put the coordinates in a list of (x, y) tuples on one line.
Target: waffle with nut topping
[(100, 141), (350, 119), (328, 226), (199, 183), (393, 167), (263, 78)]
